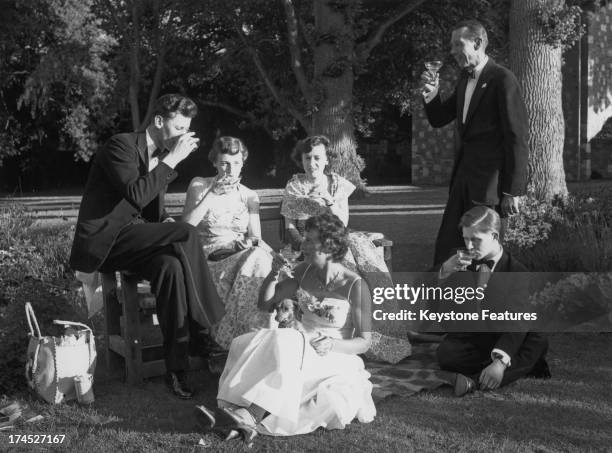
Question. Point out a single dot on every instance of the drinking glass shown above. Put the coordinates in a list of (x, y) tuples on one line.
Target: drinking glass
[(465, 255), (433, 66)]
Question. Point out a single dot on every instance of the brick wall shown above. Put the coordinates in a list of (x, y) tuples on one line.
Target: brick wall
[(594, 86), (600, 89), (432, 149)]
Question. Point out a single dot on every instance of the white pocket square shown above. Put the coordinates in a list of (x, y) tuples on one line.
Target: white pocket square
[(483, 85)]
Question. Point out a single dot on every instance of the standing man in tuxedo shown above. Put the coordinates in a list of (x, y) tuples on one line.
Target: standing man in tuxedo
[(492, 357), (122, 225), (491, 153)]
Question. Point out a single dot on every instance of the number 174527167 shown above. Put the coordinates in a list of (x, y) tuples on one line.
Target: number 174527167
[(36, 438)]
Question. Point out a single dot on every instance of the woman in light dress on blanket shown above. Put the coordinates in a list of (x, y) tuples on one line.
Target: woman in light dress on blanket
[(284, 382), (226, 214), (319, 190)]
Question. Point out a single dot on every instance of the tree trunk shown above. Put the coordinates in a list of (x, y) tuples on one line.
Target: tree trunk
[(333, 79), (538, 69), (160, 48), (134, 49)]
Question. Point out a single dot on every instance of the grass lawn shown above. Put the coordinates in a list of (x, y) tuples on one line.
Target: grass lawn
[(570, 412)]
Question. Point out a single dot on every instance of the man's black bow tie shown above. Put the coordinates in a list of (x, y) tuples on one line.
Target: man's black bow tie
[(470, 73), (476, 263)]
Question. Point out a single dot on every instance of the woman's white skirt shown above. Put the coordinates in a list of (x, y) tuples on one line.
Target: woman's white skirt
[(278, 370)]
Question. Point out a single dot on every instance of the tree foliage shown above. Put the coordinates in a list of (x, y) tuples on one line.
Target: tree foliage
[(298, 57), (387, 73), (73, 76), (73, 71)]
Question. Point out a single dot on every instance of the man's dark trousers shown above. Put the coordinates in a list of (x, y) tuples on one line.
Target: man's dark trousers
[(470, 353), (450, 236), (169, 255)]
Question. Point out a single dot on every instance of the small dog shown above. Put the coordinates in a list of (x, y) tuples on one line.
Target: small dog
[(289, 315)]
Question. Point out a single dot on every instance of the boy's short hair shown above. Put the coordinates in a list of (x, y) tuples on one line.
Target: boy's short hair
[(482, 218)]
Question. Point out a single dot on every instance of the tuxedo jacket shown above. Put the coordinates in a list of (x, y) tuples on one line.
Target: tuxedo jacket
[(491, 147), (507, 289), (119, 190)]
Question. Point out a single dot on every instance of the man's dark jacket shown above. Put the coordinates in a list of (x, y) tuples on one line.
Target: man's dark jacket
[(119, 190), (507, 289), (491, 149)]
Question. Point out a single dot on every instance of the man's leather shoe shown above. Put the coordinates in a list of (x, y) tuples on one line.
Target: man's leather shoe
[(175, 380), (464, 385)]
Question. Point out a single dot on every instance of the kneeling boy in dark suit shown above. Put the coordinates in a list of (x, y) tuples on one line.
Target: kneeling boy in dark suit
[(488, 360)]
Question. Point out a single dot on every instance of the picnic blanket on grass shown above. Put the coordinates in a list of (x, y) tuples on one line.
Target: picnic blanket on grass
[(418, 372)]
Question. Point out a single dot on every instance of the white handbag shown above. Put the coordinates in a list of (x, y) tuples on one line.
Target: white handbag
[(52, 363)]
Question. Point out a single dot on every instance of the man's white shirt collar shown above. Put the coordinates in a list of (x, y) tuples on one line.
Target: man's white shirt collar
[(150, 148), (478, 69), (471, 86), (150, 144)]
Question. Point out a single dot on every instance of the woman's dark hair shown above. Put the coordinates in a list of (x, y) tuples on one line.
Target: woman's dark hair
[(227, 145), (306, 145), (169, 105), (333, 235)]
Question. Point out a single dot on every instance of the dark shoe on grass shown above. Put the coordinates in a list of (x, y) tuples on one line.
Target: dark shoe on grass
[(464, 385), (176, 382)]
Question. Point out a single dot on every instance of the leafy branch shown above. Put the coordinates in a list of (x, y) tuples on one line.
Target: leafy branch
[(561, 24), (274, 91), (363, 50), (294, 49)]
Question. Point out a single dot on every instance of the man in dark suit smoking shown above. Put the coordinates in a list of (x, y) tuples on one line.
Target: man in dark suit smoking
[(122, 225), (491, 128)]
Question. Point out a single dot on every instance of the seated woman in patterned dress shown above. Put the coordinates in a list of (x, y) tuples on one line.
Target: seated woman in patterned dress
[(285, 382), (226, 214), (319, 190)]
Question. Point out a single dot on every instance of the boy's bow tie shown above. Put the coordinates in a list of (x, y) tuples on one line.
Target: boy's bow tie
[(477, 263)]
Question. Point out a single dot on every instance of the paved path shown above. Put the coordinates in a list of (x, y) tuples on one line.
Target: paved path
[(408, 215)]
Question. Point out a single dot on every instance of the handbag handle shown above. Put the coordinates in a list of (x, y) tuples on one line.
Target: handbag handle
[(71, 323), (31, 317)]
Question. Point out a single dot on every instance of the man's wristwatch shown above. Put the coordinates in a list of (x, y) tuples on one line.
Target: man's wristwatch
[(500, 358)]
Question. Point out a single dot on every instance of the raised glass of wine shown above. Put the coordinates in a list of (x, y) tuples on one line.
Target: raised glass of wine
[(433, 66)]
